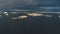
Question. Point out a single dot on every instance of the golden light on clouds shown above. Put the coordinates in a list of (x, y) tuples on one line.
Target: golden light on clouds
[(34, 14), (23, 17)]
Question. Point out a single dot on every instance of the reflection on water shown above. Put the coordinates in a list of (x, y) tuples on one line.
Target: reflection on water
[(38, 24)]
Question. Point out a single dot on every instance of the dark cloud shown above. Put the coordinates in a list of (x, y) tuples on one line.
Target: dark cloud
[(17, 2), (23, 3)]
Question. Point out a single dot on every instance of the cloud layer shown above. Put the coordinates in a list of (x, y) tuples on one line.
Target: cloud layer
[(17, 2), (21, 3)]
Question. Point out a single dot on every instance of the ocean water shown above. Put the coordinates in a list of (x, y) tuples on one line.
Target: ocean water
[(31, 25)]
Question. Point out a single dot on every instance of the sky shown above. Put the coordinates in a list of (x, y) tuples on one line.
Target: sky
[(28, 3)]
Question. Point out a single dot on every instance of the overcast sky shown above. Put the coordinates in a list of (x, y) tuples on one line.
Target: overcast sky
[(21, 3)]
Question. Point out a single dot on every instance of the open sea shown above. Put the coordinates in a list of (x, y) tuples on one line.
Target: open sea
[(31, 25)]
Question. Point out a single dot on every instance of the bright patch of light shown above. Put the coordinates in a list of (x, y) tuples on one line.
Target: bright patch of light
[(48, 15), (23, 17), (5, 12), (13, 12), (34, 14), (59, 16), (14, 18), (0, 16)]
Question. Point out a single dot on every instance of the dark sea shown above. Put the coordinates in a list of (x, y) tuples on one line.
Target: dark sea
[(31, 25)]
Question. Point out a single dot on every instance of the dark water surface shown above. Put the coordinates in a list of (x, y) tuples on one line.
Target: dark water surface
[(31, 25)]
